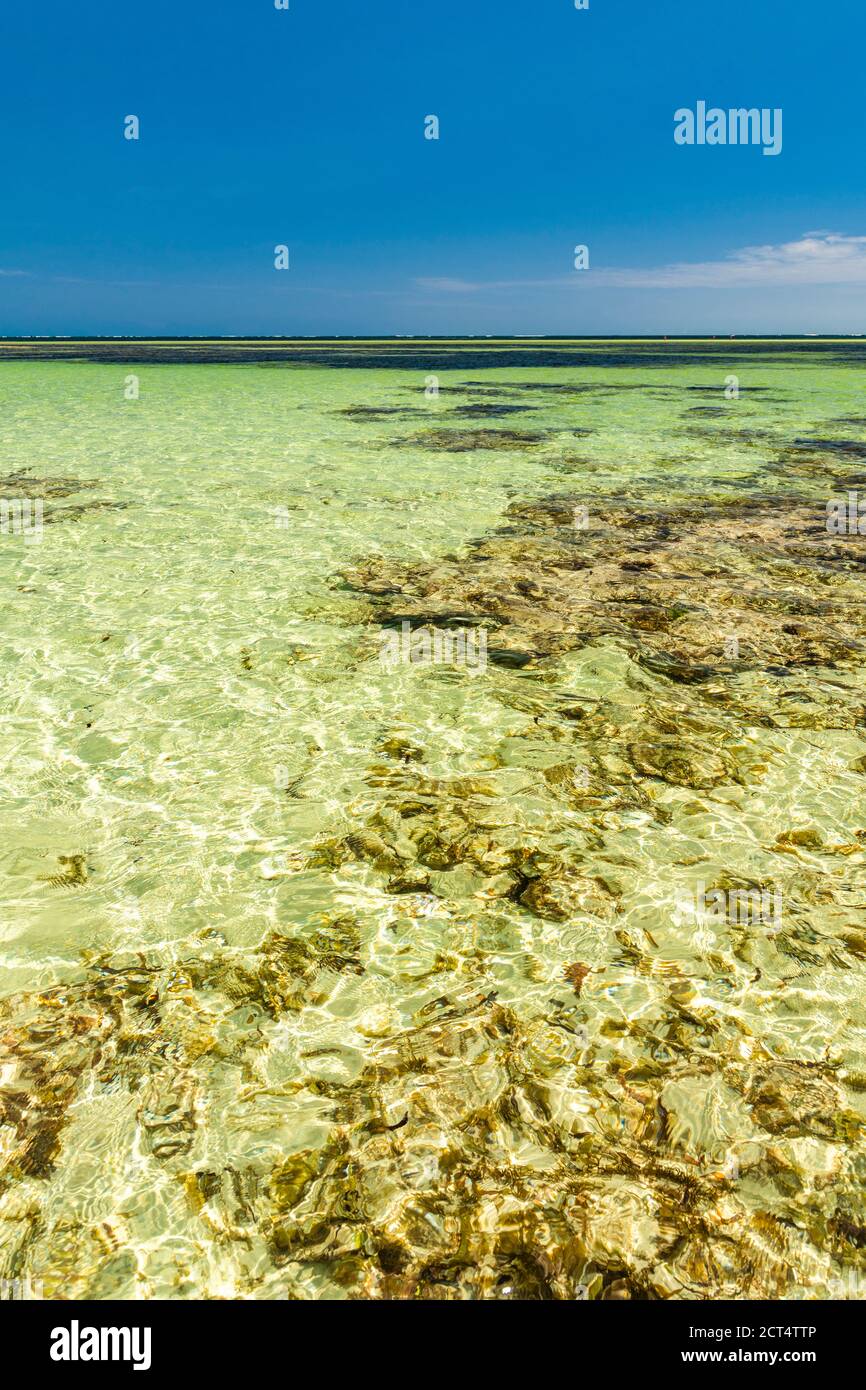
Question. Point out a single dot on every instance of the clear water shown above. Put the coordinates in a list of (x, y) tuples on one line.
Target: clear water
[(194, 704)]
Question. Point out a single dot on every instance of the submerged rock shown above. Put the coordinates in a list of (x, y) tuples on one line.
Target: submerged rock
[(676, 762), (849, 448), (466, 441), (795, 1098), (23, 484), (492, 411), (757, 572), (379, 412)]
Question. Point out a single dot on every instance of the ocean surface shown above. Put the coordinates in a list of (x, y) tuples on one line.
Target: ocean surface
[(433, 820)]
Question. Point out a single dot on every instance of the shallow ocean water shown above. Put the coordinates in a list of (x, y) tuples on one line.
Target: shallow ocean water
[(244, 1052)]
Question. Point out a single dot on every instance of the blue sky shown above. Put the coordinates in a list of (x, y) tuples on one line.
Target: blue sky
[(305, 127)]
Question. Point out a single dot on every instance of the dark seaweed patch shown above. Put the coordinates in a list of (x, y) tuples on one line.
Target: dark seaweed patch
[(466, 441)]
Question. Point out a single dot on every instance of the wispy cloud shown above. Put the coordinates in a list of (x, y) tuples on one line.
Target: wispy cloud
[(818, 258), (14, 272)]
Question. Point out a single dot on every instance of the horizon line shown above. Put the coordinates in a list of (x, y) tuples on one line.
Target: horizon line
[(15, 339)]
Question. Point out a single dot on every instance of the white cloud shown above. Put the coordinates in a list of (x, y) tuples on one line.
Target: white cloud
[(818, 258)]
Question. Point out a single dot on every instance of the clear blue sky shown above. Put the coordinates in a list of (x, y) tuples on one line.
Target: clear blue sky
[(306, 127)]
